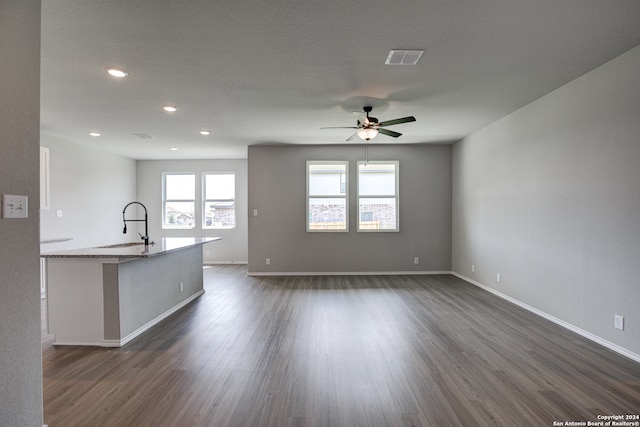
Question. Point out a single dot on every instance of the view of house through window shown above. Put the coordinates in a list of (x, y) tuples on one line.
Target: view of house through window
[(378, 196), (327, 207), (219, 200), (179, 202)]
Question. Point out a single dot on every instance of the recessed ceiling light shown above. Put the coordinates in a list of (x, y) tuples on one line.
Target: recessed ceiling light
[(94, 133), (117, 72), (169, 108), (173, 148), (205, 132)]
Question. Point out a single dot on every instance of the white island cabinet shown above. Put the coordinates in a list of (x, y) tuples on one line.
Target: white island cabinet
[(106, 296)]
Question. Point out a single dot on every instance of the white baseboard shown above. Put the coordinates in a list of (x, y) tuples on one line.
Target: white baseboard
[(608, 344), (148, 325), (140, 330), (342, 273), (224, 262)]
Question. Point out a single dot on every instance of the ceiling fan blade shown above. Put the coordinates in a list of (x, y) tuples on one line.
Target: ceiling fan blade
[(361, 117), (398, 121), (389, 133), (352, 137), (339, 127)]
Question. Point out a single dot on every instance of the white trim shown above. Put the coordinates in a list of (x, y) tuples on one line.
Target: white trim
[(111, 343), (342, 273), (206, 263), (396, 196), (608, 344), (344, 163), (83, 343), (155, 321), (203, 188)]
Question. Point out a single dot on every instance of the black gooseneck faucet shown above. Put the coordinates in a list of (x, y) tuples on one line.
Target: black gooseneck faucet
[(146, 227)]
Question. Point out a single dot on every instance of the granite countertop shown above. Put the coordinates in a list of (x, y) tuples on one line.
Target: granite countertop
[(46, 240), (132, 249)]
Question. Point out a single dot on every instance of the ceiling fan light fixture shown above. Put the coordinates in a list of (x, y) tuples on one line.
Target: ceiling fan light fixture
[(367, 133)]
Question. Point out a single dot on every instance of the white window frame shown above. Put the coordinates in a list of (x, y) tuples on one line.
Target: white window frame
[(205, 201), (344, 195), (165, 200), (395, 196)]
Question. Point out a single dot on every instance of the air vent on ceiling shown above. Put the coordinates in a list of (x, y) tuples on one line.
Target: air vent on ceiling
[(403, 57), (142, 135)]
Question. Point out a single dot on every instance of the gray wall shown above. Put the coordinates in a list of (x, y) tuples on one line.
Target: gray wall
[(159, 289), (233, 246), (20, 351), (277, 189), (550, 198), (90, 187)]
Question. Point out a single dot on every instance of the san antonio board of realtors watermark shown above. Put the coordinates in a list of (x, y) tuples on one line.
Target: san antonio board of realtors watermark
[(628, 420)]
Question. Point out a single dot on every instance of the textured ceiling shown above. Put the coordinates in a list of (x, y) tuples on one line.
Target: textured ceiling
[(258, 72)]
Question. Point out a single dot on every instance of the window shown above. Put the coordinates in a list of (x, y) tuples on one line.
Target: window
[(378, 196), (219, 200), (179, 200), (327, 207)]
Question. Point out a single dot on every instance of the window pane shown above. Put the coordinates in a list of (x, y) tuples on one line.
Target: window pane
[(179, 214), (376, 179), (377, 214), (180, 187), (219, 215), (327, 180), (327, 214), (220, 186)]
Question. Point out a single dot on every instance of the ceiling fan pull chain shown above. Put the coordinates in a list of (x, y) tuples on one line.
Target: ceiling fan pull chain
[(366, 153)]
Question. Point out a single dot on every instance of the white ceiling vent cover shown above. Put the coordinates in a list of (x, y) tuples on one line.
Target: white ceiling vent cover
[(403, 57)]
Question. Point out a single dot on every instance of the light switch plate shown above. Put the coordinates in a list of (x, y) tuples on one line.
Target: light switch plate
[(14, 206)]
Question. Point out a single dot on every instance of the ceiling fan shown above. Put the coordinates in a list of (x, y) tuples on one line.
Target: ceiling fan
[(369, 127)]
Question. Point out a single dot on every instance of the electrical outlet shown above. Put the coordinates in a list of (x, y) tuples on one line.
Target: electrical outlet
[(473, 268), (416, 260), (268, 261), (618, 322), (181, 286), (498, 277)]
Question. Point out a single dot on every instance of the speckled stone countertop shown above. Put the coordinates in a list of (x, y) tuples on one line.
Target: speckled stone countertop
[(132, 249), (47, 240)]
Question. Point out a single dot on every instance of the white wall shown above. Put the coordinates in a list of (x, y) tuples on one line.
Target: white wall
[(90, 187), (233, 246), (20, 343), (550, 198), (277, 189)]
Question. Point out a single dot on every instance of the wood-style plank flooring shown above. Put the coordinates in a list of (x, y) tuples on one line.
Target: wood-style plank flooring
[(341, 351)]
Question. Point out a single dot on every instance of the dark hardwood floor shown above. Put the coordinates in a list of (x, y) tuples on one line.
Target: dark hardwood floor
[(341, 351)]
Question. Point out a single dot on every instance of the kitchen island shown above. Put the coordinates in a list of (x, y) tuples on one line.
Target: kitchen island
[(108, 295)]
